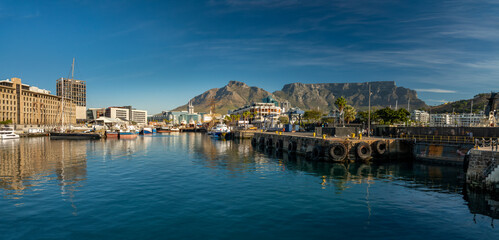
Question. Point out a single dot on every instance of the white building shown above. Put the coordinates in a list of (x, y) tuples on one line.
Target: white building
[(139, 116), (468, 119), (440, 120), (121, 113), (261, 112), (420, 116)]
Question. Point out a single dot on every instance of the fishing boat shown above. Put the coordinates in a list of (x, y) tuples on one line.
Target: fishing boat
[(128, 135), (146, 131), (8, 133), (163, 130), (110, 134)]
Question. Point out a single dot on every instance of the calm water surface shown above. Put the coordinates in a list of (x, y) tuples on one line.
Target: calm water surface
[(188, 186)]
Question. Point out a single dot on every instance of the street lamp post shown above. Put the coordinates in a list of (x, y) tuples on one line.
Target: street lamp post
[(369, 113)]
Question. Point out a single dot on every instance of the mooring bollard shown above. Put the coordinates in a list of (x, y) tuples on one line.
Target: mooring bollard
[(323, 136), (314, 134)]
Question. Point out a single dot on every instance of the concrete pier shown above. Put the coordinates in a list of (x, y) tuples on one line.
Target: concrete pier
[(333, 148), (482, 171)]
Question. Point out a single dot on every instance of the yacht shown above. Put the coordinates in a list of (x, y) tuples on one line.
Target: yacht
[(219, 129), (8, 133)]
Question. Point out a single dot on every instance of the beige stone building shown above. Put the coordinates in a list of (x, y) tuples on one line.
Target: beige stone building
[(28, 105)]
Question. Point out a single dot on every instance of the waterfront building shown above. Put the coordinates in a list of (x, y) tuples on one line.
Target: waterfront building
[(76, 90), (29, 105), (267, 110), (468, 119), (190, 108), (94, 113), (285, 106), (117, 112), (440, 120), (420, 116), (139, 116)]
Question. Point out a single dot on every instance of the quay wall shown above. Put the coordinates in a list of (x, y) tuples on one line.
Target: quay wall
[(482, 171), (318, 148)]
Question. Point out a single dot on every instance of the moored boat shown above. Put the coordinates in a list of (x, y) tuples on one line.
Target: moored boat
[(146, 131), (218, 130), (74, 136), (128, 135), (8, 133), (112, 134)]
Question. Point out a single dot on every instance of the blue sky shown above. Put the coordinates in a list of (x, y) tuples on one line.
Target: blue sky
[(156, 55)]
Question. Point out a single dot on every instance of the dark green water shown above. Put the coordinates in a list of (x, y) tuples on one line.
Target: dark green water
[(188, 186)]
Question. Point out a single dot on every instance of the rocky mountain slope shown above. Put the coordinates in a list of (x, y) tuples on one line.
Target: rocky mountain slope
[(234, 95), (307, 96), (463, 106), (323, 95)]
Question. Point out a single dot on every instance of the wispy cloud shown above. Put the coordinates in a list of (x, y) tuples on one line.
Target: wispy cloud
[(435, 90)]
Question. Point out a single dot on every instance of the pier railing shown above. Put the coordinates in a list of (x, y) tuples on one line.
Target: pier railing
[(482, 142)]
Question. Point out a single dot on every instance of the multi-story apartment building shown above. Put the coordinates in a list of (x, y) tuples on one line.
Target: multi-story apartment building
[(118, 112), (24, 104), (76, 90), (139, 116), (260, 111), (420, 116)]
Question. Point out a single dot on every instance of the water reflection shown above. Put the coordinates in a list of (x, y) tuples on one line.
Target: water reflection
[(238, 157)]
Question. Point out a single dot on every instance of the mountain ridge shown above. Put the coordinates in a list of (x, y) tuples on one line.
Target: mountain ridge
[(307, 96)]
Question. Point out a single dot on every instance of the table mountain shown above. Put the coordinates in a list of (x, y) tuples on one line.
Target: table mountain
[(323, 95), (307, 96)]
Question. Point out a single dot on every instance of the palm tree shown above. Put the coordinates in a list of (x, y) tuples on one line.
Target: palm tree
[(341, 102), (245, 116), (350, 113)]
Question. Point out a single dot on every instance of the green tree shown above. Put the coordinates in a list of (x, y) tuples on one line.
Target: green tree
[(350, 113), (340, 102), (363, 116), (312, 115), (8, 121), (390, 116), (283, 119)]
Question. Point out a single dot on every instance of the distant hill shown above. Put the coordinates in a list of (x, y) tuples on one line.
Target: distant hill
[(308, 96), (463, 106), (233, 95)]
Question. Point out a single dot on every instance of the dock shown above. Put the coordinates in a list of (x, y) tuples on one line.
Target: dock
[(482, 169), (336, 149)]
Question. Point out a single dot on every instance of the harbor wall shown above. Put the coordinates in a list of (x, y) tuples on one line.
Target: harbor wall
[(486, 132), (348, 149), (482, 171)]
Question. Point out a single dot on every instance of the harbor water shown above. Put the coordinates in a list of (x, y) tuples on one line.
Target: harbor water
[(189, 186)]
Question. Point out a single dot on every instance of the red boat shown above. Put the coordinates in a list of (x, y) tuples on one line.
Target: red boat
[(128, 135), (112, 135)]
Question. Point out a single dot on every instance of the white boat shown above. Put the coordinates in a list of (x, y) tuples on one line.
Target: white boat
[(8, 133), (219, 129)]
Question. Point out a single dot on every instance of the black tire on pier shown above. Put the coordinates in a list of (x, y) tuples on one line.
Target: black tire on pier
[(269, 143), (337, 152), (253, 141), (317, 152), (379, 147), (364, 151), (262, 141), (292, 147), (278, 145)]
